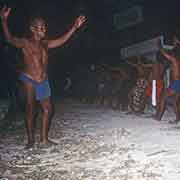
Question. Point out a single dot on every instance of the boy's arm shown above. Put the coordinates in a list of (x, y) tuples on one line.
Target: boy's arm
[(167, 55), (61, 40), (17, 42)]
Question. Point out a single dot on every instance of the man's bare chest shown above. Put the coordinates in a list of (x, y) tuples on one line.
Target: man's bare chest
[(35, 50)]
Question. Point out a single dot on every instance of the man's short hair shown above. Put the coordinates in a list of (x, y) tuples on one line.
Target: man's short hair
[(33, 21)]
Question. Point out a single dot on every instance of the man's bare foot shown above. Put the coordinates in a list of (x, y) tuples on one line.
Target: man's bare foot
[(47, 143), (29, 145), (157, 118)]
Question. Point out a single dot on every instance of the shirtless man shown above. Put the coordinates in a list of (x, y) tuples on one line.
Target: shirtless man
[(34, 74), (174, 88)]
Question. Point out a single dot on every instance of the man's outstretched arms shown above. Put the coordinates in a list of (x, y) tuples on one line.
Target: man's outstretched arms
[(61, 40), (4, 14)]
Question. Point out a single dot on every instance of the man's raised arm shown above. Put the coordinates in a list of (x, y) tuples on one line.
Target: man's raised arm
[(4, 14), (61, 40)]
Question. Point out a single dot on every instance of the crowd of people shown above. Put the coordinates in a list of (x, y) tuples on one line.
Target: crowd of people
[(132, 88)]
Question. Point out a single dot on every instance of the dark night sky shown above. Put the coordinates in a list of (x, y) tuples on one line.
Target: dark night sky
[(98, 40), (98, 34)]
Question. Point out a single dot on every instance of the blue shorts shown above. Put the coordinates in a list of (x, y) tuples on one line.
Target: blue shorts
[(175, 86), (42, 89)]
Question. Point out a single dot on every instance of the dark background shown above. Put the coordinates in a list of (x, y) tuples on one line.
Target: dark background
[(98, 41)]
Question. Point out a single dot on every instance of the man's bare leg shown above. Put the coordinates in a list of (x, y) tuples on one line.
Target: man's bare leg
[(161, 107), (162, 103), (30, 103), (47, 111), (177, 108)]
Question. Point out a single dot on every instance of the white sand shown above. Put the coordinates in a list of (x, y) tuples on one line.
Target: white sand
[(97, 143)]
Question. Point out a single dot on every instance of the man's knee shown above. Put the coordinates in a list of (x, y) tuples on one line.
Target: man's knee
[(47, 109), (29, 108)]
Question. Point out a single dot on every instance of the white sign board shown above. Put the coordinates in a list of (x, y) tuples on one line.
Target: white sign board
[(144, 47)]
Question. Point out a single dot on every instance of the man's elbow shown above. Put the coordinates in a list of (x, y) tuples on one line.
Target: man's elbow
[(51, 45), (55, 45)]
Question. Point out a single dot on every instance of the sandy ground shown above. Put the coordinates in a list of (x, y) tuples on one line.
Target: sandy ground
[(96, 143)]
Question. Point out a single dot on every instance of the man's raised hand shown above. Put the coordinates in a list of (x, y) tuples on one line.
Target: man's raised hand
[(79, 21), (4, 12)]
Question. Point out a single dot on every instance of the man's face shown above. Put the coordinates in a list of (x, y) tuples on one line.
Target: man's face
[(38, 28)]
